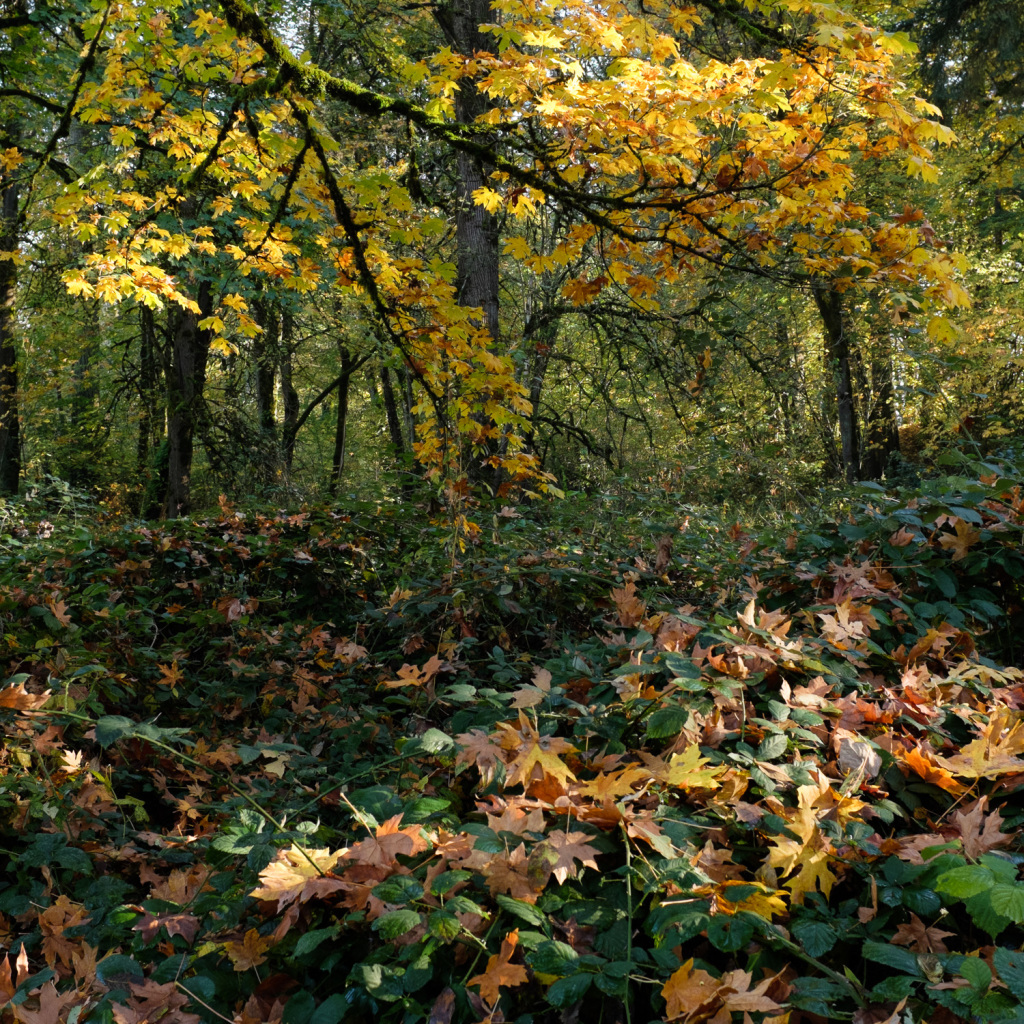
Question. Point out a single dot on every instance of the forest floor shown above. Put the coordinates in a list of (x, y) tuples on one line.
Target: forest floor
[(617, 761)]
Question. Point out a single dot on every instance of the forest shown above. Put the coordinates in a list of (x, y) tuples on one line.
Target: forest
[(511, 511)]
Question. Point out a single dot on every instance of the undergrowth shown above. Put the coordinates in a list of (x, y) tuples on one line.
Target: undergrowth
[(619, 761)]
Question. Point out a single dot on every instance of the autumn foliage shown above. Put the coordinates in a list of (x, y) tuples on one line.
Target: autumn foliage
[(273, 768)]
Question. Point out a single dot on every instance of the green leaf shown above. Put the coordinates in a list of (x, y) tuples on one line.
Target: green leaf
[(1010, 965), (116, 969), (398, 889), (396, 923), (976, 971), (445, 881), (893, 988), (892, 956), (816, 937), (569, 991), (299, 1009), (984, 915), (443, 925), (331, 1010), (553, 957), (524, 911), (816, 995), (961, 883), (310, 940), (667, 722), (380, 981), (111, 728), (433, 741), (772, 746), (729, 933), (464, 905), (1008, 900)]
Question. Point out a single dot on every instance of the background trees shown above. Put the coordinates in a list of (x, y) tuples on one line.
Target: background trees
[(288, 251)]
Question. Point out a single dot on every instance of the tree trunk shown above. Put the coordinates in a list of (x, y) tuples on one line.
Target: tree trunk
[(289, 422), (539, 340), (341, 427), (186, 381), (10, 427), (476, 230), (883, 435), (264, 351), (391, 412), (838, 349)]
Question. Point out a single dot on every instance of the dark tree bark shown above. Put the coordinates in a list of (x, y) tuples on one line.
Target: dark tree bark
[(838, 349), (883, 438), (348, 367), (264, 352), (391, 412), (476, 230), (10, 427), (186, 380), (151, 425), (290, 419)]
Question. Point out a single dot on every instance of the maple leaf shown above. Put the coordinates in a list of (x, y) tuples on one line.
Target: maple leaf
[(716, 864), (961, 540), (477, 747), (298, 875), (811, 860), (993, 752), (83, 963), (571, 847), (689, 994), (686, 770), (184, 925), (924, 762), (249, 952), (979, 832), (500, 973), (608, 786), (51, 1008), (764, 902), (59, 610), (630, 608), (149, 1001), (514, 874), (17, 698), (387, 843), (535, 756), (233, 609), (411, 675), (54, 923), (530, 696), (737, 995), (181, 886), (919, 937)]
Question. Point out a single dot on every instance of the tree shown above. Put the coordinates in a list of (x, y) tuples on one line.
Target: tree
[(226, 167)]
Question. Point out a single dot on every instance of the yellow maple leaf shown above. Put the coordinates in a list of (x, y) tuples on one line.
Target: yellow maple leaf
[(959, 541), (298, 875), (687, 771), (994, 752), (536, 756)]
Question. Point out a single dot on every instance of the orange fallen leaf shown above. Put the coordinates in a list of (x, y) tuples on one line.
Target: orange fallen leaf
[(249, 952), (500, 973)]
